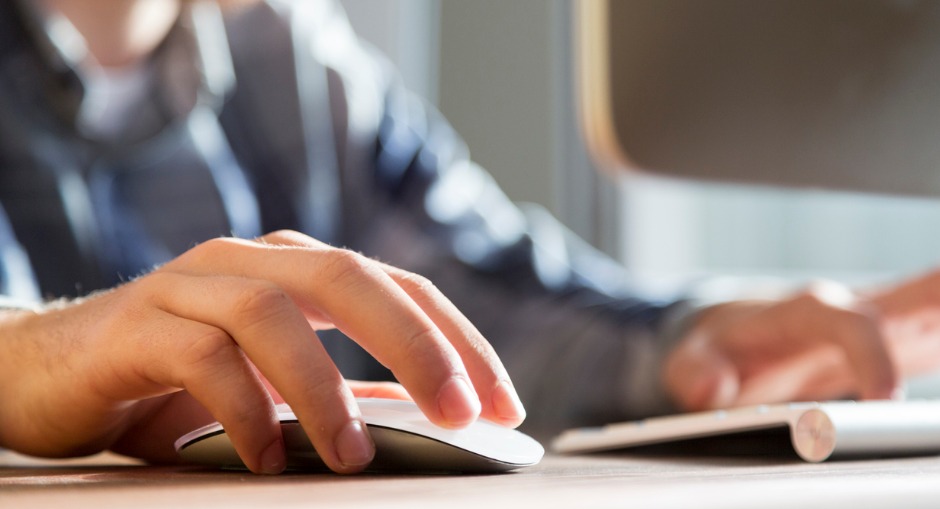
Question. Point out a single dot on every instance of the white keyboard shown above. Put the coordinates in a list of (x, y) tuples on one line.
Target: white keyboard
[(818, 431)]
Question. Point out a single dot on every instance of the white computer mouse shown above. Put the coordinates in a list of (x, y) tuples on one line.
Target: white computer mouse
[(405, 441)]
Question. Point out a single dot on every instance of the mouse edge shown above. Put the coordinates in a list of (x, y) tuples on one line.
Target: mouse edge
[(482, 464), (211, 430)]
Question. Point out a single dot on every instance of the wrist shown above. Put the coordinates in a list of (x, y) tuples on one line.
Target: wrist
[(14, 371)]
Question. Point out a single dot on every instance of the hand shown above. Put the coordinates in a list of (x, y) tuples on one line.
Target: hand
[(824, 343), (220, 333)]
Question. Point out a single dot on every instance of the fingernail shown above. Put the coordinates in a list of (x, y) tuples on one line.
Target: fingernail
[(458, 402), (354, 446), (273, 458), (506, 403)]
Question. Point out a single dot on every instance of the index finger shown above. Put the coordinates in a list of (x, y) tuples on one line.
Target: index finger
[(360, 299), (490, 379), (500, 402)]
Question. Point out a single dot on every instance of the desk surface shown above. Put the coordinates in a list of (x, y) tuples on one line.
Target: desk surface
[(577, 481)]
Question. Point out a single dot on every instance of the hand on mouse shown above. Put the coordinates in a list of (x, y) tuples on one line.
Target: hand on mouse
[(123, 368), (825, 343)]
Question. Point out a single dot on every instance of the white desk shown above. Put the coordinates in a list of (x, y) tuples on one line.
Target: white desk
[(578, 482)]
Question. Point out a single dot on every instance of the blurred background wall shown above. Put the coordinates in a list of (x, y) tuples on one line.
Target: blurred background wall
[(501, 71)]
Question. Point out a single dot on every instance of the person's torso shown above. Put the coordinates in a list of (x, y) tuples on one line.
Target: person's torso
[(91, 213)]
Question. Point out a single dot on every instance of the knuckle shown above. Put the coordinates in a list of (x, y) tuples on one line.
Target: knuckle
[(420, 344), (216, 245), (416, 283), (836, 303), (344, 266), (261, 301), (208, 251), (285, 236), (260, 298), (808, 304), (422, 290), (811, 298), (212, 347), (811, 305), (806, 314), (831, 293), (849, 325)]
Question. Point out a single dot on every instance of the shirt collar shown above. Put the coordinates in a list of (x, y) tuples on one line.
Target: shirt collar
[(192, 66)]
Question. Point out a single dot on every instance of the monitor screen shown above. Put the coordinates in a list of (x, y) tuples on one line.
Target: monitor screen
[(822, 93)]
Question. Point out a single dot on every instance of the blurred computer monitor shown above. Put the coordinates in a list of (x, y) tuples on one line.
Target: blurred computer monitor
[(838, 94)]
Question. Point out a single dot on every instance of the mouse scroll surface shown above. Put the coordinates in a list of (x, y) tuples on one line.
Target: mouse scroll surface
[(405, 441)]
